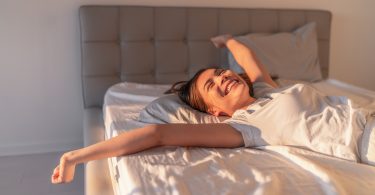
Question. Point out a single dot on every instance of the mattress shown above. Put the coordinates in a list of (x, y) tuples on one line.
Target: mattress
[(264, 170)]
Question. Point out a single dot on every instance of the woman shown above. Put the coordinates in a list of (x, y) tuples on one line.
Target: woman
[(270, 117)]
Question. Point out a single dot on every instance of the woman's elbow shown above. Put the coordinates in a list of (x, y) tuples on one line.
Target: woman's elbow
[(140, 140), (169, 135)]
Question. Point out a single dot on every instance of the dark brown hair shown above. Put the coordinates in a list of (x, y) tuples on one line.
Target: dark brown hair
[(187, 91)]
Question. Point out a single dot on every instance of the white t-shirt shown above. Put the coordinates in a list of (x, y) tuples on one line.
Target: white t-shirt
[(301, 116)]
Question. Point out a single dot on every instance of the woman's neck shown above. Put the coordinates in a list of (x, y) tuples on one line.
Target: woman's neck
[(250, 101), (244, 105)]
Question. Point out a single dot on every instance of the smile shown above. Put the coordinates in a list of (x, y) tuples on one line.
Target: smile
[(229, 86)]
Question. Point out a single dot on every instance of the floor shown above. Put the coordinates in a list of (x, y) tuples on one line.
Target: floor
[(30, 174)]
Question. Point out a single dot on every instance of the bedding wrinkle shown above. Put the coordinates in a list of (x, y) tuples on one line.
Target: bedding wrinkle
[(367, 147), (332, 172), (321, 177)]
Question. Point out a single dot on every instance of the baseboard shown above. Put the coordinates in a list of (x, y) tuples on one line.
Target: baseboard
[(39, 148)]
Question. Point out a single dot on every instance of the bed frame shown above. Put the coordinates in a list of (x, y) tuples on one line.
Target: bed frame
[(165, 45)]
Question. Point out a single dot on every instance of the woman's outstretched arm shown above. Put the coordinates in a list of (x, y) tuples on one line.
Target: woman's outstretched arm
[(246, 58), (201, 135)]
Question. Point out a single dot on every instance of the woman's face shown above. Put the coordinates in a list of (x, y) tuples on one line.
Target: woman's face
[(223, 91)]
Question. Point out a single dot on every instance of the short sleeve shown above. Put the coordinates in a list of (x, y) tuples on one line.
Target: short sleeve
[(261, 89), (247, 131)]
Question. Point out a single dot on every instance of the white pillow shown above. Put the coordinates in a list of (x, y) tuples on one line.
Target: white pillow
[(285, 55), (170, 109)]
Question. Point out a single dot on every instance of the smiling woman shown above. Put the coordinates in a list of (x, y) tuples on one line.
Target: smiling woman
[(210, 89), (224, 92), (297, 115), (189, 93), (221, 92)]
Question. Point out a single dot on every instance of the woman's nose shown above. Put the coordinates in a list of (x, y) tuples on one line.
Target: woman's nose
[(221, 79), (218, 80)]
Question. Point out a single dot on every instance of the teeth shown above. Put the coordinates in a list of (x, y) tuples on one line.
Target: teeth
[(229, 86)]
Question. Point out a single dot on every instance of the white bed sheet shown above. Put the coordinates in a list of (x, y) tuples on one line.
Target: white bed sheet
[(267, 170)]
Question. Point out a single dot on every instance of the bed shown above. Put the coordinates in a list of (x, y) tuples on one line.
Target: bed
[(131, 54)]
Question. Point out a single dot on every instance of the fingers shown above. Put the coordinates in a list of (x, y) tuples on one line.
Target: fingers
[(221, 40), (62, 170), (217, 42), (55, 178), (62, 173)]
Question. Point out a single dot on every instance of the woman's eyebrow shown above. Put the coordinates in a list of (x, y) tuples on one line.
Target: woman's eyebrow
[(218, 71), (206, 84)]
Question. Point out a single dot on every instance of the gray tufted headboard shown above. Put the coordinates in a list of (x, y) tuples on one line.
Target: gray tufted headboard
[(169, 44)]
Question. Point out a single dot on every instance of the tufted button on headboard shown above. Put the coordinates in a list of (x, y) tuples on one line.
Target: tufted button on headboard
[(169, 44)]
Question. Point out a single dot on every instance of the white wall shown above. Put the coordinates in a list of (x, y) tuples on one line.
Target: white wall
[(40, 87)]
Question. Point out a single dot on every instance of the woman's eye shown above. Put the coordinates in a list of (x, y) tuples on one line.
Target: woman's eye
[(222, 72), (211, 85)]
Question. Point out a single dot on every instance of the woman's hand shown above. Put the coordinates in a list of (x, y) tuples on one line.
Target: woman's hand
[(221, 40), (64, 172), (245, 58)]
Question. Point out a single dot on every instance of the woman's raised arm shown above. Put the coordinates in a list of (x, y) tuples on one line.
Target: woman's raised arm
[(203, 135), (246, 58)]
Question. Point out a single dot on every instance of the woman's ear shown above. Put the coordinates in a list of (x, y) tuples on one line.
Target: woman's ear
[(216, 112), (213, 111)]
